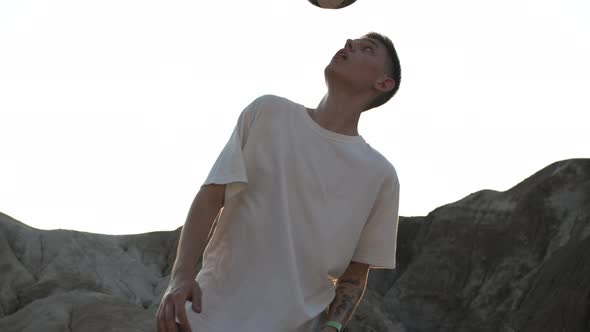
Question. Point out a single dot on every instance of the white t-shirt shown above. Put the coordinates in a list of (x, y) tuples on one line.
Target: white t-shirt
[(301, 203)]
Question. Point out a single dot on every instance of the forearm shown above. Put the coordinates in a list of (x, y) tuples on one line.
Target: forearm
[(194, 236), (349, 292)]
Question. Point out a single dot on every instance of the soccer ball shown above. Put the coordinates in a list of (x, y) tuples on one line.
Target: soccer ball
[(332, 4)]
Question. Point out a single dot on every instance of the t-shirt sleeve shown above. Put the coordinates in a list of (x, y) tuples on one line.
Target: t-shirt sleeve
[(378, 241), (230, 167)]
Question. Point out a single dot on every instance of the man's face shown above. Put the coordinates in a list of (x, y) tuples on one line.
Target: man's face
[(359, 65)]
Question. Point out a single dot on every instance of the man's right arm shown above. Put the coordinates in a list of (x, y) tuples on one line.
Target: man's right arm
[(194, 235), (191, 245)]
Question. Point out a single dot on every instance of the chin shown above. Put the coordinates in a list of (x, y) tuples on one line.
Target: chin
[(338, 82), (329, 74), (332, 70), (334, 74)]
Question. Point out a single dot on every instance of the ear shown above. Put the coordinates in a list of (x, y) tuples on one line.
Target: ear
[(384, 84)]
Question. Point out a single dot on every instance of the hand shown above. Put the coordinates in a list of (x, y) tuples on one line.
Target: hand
[(172, 305)]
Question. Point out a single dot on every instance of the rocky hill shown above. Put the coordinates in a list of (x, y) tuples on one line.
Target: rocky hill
[(517, 260)]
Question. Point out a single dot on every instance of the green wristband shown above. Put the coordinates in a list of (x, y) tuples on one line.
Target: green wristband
[(334, 324)]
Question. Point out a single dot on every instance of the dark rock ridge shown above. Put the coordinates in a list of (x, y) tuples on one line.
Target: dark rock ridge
[(517, 260)]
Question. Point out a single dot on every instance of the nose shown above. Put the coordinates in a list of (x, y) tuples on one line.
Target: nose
[(348, 45)]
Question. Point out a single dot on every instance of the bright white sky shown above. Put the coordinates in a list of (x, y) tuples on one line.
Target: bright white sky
[(112, 112)]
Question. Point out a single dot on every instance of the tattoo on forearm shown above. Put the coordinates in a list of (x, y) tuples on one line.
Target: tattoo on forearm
[(352, 281), (349, 292), (347, 303)]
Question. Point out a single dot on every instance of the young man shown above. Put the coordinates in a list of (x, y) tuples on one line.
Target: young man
[(306, 202)]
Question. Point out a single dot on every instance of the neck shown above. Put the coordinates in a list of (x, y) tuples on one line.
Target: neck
[(339, 113)]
